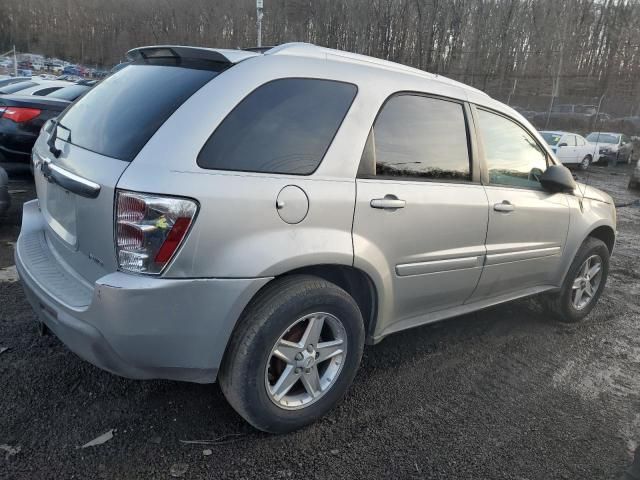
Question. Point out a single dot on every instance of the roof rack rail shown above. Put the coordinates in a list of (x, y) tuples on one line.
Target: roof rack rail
[(258, 49)]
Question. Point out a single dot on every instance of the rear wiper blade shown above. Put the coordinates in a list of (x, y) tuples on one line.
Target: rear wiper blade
[(54, 135), (52, 140)]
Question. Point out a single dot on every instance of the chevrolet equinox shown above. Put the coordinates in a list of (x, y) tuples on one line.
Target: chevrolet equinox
[(255, 218)]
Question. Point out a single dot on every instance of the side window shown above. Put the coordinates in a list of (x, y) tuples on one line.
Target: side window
[(284, 126), (512, 155), (416, 137), (571, 140), (580, 141)]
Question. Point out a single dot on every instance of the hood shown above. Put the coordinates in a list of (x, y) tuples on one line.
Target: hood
[(593, 193)]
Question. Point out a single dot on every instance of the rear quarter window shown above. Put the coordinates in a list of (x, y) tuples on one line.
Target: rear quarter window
[(284, 126)]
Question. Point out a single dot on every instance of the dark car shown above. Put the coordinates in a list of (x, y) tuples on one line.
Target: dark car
[(22, 117), (4, 192)]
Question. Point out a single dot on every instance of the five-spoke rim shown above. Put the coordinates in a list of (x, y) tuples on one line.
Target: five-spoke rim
[(587, 281), (306, 361)]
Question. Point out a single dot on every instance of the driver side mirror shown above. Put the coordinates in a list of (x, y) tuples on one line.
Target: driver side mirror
[(562, 145), (558, 178)]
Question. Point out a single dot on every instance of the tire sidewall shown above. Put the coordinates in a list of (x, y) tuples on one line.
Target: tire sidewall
[(583, 165), (263, 412), (589, 248)]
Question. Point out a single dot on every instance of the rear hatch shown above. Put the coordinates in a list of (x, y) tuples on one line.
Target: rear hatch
[(80, 156)]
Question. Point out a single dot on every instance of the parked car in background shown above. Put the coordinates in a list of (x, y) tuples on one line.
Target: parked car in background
[(22, 117), (5, 199), (70, 78), (4, 82), (40, 87), (612, 147), (71, 70), (570, 148), (587, 110), (276, 240)]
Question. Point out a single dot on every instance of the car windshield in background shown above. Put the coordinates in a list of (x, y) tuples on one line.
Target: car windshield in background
[(602, 138), (69, 93), (16, 87), (551, 138), (117, 117)]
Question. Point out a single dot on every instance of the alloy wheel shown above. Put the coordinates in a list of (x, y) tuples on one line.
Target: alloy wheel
[(306, 361), (587, 281), (585, 163)]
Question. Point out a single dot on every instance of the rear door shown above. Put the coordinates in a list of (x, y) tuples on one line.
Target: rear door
[(527, 225), (80, 157), (421, 213)]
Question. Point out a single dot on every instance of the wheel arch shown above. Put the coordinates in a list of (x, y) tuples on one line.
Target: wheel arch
[(354, 281), (606, 234)]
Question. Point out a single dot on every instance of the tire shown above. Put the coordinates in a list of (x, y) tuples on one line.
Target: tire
[(584, 164), (284, 307), (561, 304)]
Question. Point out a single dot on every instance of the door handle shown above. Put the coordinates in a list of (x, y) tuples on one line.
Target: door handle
[(504, 207), (389, 202)]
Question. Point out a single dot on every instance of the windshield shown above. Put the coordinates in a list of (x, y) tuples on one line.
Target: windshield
[(119, 116), (596, 137), (69, 93), (551, 138)]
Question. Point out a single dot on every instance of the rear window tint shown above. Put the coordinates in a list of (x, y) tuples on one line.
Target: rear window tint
[(119, 116), (284, 126), (46, 91)]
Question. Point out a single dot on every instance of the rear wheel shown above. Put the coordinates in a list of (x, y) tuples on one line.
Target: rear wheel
[(583, 284), (586, 161), (294, 353)]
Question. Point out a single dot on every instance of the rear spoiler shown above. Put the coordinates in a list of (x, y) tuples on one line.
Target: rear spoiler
[(220, 55)]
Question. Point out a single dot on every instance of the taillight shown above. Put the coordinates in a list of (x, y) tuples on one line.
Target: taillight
[(19, 114), (149, 229)]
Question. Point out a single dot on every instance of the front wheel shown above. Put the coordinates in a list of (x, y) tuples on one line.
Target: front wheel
[(583, 284), (294, 354)]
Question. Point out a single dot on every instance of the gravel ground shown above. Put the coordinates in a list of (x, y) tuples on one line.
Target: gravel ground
[(503, 393)]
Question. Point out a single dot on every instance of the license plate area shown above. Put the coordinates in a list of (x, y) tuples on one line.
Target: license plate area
[(60, 213)]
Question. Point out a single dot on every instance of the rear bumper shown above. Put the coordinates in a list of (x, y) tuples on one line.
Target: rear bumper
[(133, 326)]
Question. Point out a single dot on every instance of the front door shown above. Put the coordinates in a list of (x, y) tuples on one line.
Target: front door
[(527, 225), (420, 219)]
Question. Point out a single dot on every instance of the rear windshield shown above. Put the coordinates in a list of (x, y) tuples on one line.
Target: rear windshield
[(119, 116), (16, 87), (284, 126)]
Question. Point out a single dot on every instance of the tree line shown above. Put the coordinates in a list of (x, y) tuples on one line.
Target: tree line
[(585, 48)]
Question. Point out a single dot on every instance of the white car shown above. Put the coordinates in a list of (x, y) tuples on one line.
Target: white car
[(570, 148), (610, 146)]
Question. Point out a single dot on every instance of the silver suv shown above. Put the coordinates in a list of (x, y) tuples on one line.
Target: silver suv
[(256, 218)]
